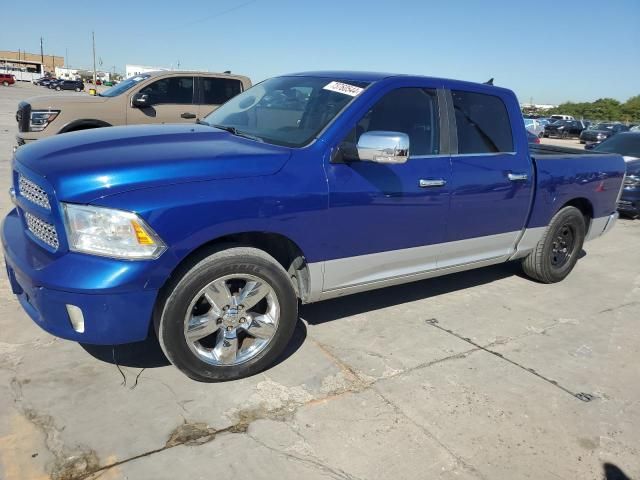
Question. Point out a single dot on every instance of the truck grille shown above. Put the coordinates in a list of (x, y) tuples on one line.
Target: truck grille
[(33, 193), (42, 230)]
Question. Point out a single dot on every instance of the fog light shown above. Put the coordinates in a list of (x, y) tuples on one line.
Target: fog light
[(76, 318)]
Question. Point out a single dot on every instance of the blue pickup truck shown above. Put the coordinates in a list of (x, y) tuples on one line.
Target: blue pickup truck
[(303, 188)]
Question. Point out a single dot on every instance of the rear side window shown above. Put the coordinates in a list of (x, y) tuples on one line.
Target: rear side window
[(216, 91), (176, 90), (482, 123)]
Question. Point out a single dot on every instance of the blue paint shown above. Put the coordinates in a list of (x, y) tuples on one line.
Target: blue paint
[(193, 184)]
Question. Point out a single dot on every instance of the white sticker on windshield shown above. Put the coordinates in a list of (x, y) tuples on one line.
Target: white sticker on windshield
[(137, 79), (345, 88)]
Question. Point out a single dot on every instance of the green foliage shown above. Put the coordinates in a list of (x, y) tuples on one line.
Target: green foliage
[(602, 109)]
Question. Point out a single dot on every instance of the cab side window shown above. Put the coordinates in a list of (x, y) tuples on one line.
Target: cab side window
[(216, 91), (482, 123), (171, 90), (413, 111)]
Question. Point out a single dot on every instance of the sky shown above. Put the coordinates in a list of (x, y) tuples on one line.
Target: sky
[(546, 51)]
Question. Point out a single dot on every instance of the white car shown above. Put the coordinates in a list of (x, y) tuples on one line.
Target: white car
[(534, 126)]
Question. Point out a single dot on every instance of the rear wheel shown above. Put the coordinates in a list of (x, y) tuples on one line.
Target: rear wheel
[(5, 83), (58, 89), (229, 316), (77, 89), (557, 252), (565, 135)]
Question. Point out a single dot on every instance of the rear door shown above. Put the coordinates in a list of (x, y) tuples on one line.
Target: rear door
[(214, 91), (388, 219), (171, 101), (491, 180)]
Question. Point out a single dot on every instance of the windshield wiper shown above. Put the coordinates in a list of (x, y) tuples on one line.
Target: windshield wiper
[(201, 122), (236, 132)]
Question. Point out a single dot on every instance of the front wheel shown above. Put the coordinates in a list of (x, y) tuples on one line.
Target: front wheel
[(557, 252), (77, 89), (5, 83), (229, 316), (58, 89)]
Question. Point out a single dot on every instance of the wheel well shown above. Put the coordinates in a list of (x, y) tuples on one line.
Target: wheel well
[(585, 207), (83, 125), (281, 248)]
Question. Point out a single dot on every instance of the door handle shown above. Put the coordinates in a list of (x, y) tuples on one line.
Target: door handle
[(438, 182), (518, 177), (188, 115)]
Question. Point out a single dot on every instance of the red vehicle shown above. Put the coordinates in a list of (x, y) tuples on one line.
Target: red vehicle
[(7, 79)]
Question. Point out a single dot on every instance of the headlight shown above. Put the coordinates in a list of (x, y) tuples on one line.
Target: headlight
[(41, 118), (110, 233)]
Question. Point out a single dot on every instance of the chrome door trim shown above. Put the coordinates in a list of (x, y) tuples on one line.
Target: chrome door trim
[(391, 281), (517, 177), (429, 183)]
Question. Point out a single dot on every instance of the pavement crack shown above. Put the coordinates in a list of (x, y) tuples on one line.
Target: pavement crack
[(584, 397), (624, 305), (466, 465), (307, 460)]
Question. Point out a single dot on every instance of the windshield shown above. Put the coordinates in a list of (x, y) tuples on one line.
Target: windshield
[(603, 126), (623, 144), (287, 111), (123, 86)]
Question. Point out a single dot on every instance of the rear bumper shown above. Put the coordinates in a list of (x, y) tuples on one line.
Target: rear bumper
[(112, 314), (602, 225)]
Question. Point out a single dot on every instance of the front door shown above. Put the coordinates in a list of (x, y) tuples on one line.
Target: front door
[(171, 100), (389, 218), (491, 182)]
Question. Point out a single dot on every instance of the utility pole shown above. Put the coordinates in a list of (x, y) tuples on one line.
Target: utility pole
[(41, 58), (95, 74)]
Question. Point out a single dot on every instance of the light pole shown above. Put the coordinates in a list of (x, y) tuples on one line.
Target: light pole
[(93, 39)]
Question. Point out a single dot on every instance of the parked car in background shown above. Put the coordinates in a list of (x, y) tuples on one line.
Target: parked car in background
[(52, 85), (532, 139), (564, 129), (560, 117), (629, 202), (76, 85), (534, 126), (635, 128), (626, 144), (155, 97), (306, 187), (7, 79), (45, 83), (601, 131)]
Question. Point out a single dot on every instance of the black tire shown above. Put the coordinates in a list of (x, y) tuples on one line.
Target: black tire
[(5, 83), (77, 89), (565, 135), (58, 89), (173, 304), (540, 135), (545, 135), (547, 262)]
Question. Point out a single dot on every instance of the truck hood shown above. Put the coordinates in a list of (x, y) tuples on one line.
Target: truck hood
[(87, 165), (54, 102)]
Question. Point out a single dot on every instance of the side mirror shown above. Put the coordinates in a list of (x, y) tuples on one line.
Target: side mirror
[(383, 147), (140, 100)]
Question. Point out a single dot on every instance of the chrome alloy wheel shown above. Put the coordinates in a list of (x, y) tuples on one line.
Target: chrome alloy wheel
[(232, 319)]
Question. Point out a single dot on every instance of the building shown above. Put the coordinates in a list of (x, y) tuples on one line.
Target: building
[(81, 74), (537, 106), (30, 62), (133, 70)]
